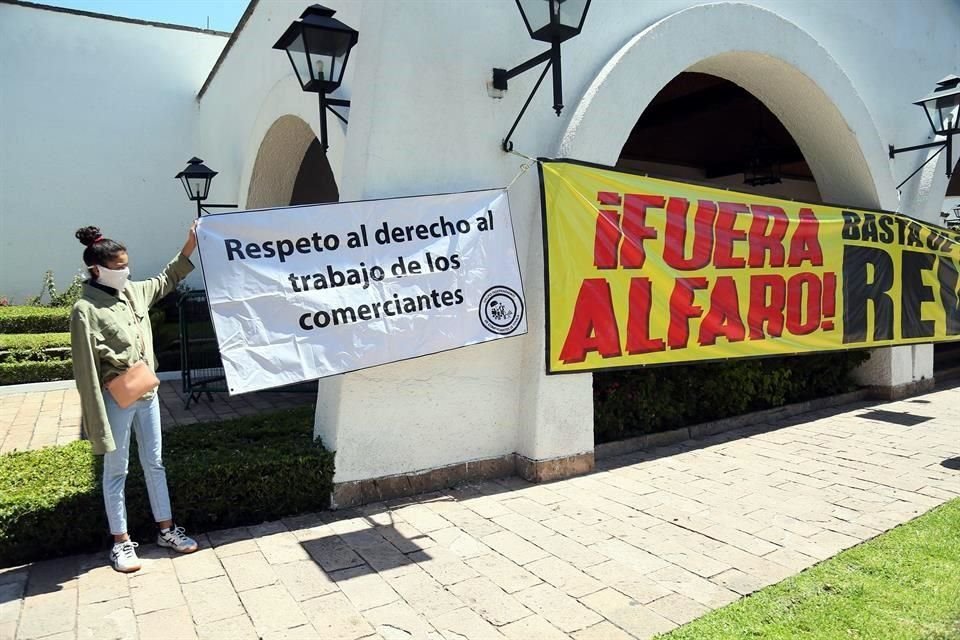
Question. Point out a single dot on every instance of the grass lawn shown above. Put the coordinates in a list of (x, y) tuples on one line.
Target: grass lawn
[(903, 584)]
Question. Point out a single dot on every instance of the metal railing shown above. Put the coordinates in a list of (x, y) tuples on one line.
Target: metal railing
[(201, 368)]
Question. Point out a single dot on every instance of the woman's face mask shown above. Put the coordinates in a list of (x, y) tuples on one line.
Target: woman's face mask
[(114, 278)]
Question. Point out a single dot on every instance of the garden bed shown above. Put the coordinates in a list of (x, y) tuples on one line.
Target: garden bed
[(221, 474), (35, 339), (644, 401), (27, 319), (34, 344), (41, 371)]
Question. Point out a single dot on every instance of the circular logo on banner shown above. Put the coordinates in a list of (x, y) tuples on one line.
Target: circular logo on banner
[(501, 310)]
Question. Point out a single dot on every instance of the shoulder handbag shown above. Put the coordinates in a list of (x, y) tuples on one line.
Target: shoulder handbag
[(132, 384), (129, 386)]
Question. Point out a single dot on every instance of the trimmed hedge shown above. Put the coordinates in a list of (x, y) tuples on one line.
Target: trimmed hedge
[(222, 474), (35, 371), (639, 401), (34, 357), (33, 341), (24, 319)]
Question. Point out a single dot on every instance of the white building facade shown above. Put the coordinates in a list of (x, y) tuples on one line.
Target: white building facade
[(839, 76)]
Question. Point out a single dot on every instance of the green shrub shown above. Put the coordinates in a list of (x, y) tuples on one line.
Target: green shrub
[(35, 371), (56, 298), (23, 319), (220, 475), (639, 401), (33, 341)]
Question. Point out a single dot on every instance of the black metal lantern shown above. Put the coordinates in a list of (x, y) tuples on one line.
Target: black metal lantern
[(196, 179), (763, 168), (318, 46), (942, 108), (553, 21), (951, 224)]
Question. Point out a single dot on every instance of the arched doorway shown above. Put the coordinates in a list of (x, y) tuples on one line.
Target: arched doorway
[(290, 168), (708, 130)]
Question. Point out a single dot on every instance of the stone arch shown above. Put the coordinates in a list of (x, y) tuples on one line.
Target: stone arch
[(286, 114), (278, 163), (783, 66)]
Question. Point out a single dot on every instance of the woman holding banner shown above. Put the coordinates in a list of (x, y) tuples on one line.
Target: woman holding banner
[(113, 364)]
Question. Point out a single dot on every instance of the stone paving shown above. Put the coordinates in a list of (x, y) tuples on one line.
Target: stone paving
[(646, 543), (35, 419)]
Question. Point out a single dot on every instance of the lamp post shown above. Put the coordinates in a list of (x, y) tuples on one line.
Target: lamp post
[(942, 108), (552, 21), (318, 46), (196, 179)]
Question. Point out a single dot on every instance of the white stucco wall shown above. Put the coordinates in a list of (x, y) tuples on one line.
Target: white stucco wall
[(840, 78), (255, 87), (96, 117), (422, 122)]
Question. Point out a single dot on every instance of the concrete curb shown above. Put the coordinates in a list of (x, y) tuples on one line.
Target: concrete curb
[(57, 385), (33, 387), (705, 429)]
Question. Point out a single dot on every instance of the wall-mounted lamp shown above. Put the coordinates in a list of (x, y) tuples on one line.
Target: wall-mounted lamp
[(763, 168), (318, 46), (942, 108), (196, 179), (763, 158), (952, 224), (553, 21)]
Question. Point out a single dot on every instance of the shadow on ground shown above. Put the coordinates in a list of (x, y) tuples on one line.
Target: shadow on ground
[(951, 463)]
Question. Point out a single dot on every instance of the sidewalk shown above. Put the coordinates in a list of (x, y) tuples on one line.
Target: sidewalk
[(646, 543), (37, 419)]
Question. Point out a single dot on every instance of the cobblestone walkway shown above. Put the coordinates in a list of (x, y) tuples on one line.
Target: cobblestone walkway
[(41, 418), (646, 543)]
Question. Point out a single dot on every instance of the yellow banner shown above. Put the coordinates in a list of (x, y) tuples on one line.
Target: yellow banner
[(643, 271)]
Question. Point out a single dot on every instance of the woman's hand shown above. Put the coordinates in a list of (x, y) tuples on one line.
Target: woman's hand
[(191, 242)]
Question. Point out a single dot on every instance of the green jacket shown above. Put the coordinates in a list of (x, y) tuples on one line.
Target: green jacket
[(105, 334)]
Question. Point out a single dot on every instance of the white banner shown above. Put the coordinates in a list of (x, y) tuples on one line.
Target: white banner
[(300, 293)]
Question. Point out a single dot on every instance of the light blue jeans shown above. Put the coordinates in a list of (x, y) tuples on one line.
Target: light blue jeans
[(144, 417)]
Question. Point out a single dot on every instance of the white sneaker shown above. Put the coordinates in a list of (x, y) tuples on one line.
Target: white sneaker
[(176, 538), (124, 558)]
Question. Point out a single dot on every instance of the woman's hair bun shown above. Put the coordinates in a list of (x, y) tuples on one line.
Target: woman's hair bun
[(88, 235)]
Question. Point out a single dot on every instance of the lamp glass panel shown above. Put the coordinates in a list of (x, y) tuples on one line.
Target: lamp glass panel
[(571, 12), (537, 13), (328, 52), (197, 187), (297, 51), (186, 186), (948, 109)]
